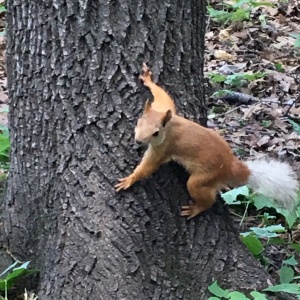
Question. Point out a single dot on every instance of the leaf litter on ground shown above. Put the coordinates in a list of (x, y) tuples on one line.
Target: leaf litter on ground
[(261, 118)]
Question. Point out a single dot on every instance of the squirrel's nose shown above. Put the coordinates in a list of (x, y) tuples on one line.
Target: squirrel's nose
[(138, 142)]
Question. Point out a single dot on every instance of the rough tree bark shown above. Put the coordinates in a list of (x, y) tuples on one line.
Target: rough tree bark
[(72, 73)]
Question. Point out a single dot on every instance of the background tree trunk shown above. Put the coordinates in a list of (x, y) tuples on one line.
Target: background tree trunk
[(75, 98)]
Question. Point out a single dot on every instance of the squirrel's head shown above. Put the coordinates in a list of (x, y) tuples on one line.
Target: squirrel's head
[(151, 126)]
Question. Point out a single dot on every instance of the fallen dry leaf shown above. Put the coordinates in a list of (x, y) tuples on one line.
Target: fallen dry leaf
[(284, 80), (224, 35), (223, 55)]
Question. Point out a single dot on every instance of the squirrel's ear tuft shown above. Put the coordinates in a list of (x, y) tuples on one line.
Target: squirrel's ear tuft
[(166, 118), (147, 106)]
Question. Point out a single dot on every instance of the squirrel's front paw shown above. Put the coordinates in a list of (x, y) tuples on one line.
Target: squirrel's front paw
[(124, 183)]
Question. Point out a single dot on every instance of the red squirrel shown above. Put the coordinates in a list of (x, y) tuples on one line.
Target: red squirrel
[(206, 156)]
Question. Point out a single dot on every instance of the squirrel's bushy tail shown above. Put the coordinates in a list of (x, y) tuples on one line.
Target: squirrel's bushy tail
[(274, 179)]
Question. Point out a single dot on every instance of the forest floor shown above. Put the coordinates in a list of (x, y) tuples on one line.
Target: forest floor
[(257, 58)]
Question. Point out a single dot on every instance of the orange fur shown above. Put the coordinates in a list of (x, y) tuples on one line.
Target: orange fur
[(162, 100)]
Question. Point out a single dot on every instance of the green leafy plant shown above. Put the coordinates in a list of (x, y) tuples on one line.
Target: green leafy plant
[(252, 238), (266, 218), (287, 273), (291, 288), (296, 126), (256, 239), (12, 275), (4, 146), (266, 123), (220, 293), (237, 11), (297, 37), (265, 232), (260, 201), (279, 67), (2, 8), (236, 79)]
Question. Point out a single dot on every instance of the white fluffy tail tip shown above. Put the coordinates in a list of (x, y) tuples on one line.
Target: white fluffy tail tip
[(274, 179)]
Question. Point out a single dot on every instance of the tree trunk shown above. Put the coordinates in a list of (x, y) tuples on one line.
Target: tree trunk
[(74, 100)]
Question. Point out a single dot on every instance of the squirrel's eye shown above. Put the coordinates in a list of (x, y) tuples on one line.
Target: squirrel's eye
[(155, 133)]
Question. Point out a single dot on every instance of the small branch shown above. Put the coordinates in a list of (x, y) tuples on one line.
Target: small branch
[(237, 97)]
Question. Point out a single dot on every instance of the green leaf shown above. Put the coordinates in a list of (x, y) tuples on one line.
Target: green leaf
[(231, 196), (253, 244), (15, 274), (268, 231), (263, 3), (237, 78), (240, 15), (296, 247), (4, 144), (2, 285), (4, 110), (268, 216), (237, 296), (213, 298), (13, 277), (2, 9), (290, 215), (218, 15), (261, 201), (266, 123), (279, 67), (4, 149), (296, 126), (262, 19), (291, 288), (253, 76), (258, 296), (4, 130), (218, 291), (276, 241), (290, 261), (234, 79), (221, 93), (297, 43), (286, 274), (216, 78)]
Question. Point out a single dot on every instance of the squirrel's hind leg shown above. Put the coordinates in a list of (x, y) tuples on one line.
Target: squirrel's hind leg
[(203, 195)]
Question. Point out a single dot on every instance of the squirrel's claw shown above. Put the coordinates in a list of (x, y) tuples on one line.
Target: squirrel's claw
[(145, 68), (186, 211), (191, 211), (124, 183), (146, 76)]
